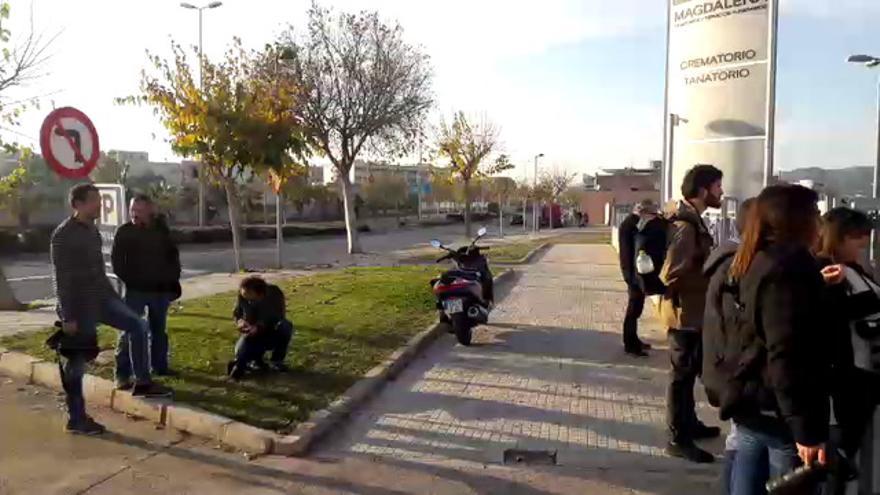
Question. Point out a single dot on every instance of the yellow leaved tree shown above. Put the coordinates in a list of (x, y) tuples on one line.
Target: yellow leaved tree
[(242, 121), (469, 146)]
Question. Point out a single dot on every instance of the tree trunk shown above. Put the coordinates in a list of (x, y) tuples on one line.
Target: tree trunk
[(348, 199), (234, 222), (500, 218), (279, 230), (467, 208), (8, 301)]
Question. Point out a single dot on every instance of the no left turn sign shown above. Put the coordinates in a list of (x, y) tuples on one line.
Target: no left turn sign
[(69, 143)]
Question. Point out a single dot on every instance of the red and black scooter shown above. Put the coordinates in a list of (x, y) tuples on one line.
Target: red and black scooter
[(465, 294)]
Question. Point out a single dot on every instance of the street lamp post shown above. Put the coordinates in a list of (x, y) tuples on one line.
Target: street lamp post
[(870, 448), (674, 121), (284, 55), (872, 62), (212, 5), (535, 216)]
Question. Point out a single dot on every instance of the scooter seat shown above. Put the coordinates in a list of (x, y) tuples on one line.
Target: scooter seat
[(465, 274)]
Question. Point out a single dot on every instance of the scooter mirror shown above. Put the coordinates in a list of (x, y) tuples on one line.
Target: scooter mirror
[(481, 232), (437, 244)]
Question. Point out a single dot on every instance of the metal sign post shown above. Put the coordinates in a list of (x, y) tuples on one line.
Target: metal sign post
[(114, 213)]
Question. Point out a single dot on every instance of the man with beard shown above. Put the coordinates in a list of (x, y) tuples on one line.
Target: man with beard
[(682, 307)]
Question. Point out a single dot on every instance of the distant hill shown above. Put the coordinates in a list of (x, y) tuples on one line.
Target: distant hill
[(850, 181)]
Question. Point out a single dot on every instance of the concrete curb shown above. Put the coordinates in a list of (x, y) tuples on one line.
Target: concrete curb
[(99, 391), (525, 260), (321, 422)]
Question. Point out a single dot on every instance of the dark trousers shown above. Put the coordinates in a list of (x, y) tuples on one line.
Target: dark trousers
[(855, 396), (72, 371), (250, 348), (685, 356), (156, 305), (634, 308)]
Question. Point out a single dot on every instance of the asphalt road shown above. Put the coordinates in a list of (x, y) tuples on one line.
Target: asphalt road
[(29, 273)]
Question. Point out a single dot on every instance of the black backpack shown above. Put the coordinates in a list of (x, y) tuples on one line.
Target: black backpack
[(734, 351), (653, 239)]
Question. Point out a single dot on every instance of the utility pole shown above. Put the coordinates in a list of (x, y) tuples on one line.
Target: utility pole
[(535, 205), (419, 182), (200, 171)]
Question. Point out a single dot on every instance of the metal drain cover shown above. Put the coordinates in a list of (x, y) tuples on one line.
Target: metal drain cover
[(522, 456)]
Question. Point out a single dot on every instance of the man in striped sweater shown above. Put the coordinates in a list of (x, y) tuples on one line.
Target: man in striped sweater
[(86, 299)]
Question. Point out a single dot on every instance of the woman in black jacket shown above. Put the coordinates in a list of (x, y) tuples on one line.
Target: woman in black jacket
[(776, 395), (855, 297)]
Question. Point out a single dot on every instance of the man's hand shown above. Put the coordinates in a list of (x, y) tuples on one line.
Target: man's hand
[(809, 455), (245, 327), (69, 327), (833, 274)]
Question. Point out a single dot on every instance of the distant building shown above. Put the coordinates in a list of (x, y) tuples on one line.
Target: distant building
[(140, 167), (617, 188), (131, 157), (365, 172)]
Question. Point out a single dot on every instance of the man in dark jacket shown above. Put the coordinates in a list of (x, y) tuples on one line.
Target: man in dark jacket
[(641, 230), (148, 262), (261, 318), (86, 299), (683, 305)]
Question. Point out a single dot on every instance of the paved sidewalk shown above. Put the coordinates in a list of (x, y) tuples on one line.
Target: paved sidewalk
[(548, 374)]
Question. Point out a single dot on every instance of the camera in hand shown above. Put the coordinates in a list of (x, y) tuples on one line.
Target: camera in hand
[(803, 480)]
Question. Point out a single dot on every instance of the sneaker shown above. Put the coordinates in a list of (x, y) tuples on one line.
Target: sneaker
[(235, 371), (151, 389), (259, 366), (646, 346), (279, 366), (690, 452), (88, 427), (703, 432)]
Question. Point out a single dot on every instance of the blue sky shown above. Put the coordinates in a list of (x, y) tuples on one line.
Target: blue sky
[(578, 80)]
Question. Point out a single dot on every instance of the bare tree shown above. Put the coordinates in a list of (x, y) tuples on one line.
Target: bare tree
[(467, 145), (22, 61), (364, 86), (553, 183)]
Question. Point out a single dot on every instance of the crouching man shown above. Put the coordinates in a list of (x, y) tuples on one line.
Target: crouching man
[(261, 318)]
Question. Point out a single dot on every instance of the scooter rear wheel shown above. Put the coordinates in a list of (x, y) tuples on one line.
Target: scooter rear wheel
[(463, 329)]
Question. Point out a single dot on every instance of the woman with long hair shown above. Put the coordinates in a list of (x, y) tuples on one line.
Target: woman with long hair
[(855, 295), (765, 312)]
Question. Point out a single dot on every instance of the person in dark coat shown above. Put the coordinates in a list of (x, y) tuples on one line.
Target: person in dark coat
[(779, 398), (720, 259), (682, 306), (644, 230), (261, 318), (147, 260), (855, 297)]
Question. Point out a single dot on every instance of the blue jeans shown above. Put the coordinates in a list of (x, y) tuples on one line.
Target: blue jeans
[(132, 355), (760, 456), (72, 371), (251, 348), (156, 305)]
